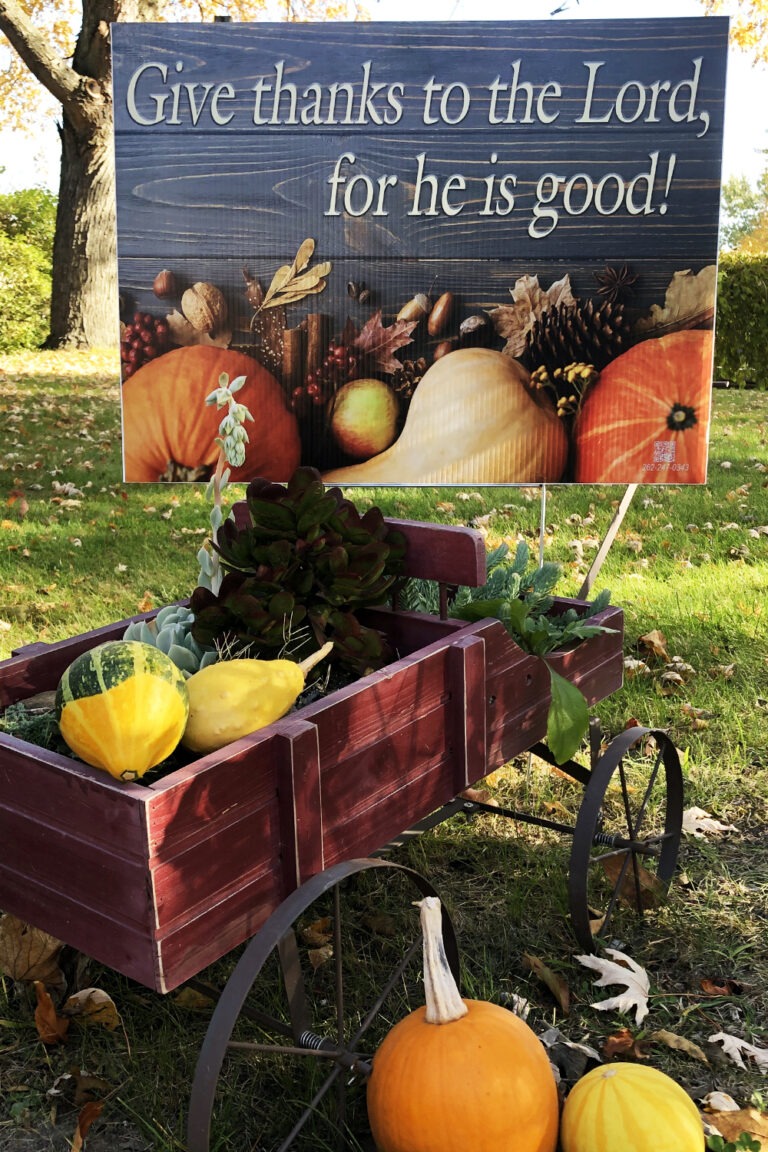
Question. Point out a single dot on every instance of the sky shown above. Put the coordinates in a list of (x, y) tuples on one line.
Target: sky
[(31, 161)]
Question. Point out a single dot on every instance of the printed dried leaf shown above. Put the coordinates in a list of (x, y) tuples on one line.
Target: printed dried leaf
[(514, 321), (621, 970), (689, 303), (27, 953), (380, 343), (294, 281), (184, 334)]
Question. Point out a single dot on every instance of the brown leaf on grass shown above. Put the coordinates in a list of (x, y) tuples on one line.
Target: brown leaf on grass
[(319, 956), (731, 1124), (379, 342), (651, 889), (679, 1043), (721, 671), (92, 1006), (556, 985), (700, 823), (530, 301), (88, 1113), (722, 987), (622, 1043), (27, 953), (318, 933), (193, 1000), (51, 1028), (655, 643)]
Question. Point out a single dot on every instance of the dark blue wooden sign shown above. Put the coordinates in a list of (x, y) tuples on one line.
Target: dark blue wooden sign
[(465, 253)]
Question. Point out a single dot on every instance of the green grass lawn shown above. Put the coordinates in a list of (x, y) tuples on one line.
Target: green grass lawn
[(80, 549)]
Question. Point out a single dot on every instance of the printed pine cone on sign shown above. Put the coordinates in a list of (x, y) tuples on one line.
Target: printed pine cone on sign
[(589, 333)]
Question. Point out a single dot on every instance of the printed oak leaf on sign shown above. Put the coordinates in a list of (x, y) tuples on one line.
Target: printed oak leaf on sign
[(513, 322), (621, 970), (378, 342)]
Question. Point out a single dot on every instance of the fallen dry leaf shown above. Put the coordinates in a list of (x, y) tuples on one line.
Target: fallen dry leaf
[(651, 889), (92, 1006), (27, 953), (621, 1043), (88, 1113), (731, 1124), (655, 643), (319, 956), (698, 823), (621, 970), (679, 1043), (318, 933), (51, 1028), (555, 983), (736, 1049)]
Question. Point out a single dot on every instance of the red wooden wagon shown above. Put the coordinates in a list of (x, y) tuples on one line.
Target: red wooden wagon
[(158, 881)]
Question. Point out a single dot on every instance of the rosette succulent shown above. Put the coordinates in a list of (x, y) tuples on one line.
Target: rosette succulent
[(302, 566)]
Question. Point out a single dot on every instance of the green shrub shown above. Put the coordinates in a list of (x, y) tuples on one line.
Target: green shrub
[(742, 320), (29, 214), (25, 294)]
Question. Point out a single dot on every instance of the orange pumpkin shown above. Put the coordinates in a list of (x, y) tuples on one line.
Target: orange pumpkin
[(165, 417), (460, 1075), (647, 417)]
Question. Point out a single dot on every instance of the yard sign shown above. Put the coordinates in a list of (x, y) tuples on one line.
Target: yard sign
[(465, 253)]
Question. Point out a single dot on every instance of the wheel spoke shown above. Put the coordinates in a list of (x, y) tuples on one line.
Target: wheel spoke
[(612, 862)]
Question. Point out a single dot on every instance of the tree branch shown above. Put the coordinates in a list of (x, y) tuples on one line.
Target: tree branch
[(33, 48)]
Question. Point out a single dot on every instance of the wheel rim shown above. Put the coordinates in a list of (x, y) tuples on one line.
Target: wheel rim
[(625, 844)]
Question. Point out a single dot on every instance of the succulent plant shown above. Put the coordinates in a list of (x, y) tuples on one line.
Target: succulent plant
[(304, 565), (171, 632)]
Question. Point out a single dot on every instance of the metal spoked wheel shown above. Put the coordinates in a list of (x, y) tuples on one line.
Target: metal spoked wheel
[(336, 965), (627, 833)]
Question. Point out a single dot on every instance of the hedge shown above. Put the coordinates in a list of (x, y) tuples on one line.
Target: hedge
[(25, 295), (741, 336)]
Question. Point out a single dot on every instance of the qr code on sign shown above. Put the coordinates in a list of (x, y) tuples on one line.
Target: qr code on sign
[(663, 451)]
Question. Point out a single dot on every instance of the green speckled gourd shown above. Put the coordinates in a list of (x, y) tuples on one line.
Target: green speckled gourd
[(171, 631), (123, 707)]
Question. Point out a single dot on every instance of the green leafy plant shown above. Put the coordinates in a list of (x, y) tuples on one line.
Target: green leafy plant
[(521, 597), (745, 1143), (305, 559)]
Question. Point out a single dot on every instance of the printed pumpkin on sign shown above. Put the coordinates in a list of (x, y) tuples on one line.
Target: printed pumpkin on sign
[(647, 417), (167, 425)]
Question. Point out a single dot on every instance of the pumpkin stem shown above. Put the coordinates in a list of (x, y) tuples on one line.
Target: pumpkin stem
[(443, 999), (315, 657)]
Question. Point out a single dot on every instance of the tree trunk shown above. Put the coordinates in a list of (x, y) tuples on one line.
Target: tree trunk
[(84, 306)]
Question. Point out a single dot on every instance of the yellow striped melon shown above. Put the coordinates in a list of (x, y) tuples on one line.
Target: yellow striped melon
[(630, 1108)]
